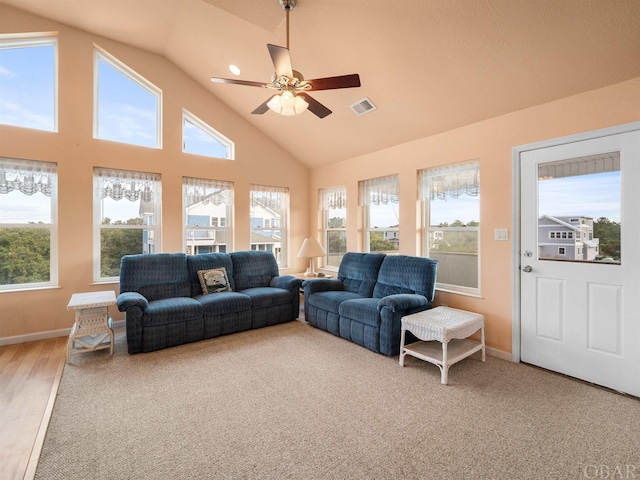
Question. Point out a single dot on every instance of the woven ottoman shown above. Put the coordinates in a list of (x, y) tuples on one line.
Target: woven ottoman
[(446, 325)]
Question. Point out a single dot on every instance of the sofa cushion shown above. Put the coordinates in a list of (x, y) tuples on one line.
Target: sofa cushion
[(214, 280), (330, 301), (262, 297), (359, 272), (406, 274), (171, 310), (155, 275), (362, 310), (252, 269), (223, 303)]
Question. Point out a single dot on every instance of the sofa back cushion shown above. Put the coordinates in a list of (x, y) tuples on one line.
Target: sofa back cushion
[(359, 271), (155, 275), (406, 274), (253, 269), (207, 261)]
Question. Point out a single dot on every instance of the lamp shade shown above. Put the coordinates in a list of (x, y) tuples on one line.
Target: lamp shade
[(311, 248)]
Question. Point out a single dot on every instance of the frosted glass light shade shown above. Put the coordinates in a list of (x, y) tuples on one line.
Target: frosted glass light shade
[(287, 103)]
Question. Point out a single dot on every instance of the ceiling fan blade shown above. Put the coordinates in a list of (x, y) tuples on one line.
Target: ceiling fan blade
[(238, 82), (315, 106), (281, 60), (263, 107), (330, 83)]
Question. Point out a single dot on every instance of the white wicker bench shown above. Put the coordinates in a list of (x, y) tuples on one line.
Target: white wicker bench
[(450, 327)]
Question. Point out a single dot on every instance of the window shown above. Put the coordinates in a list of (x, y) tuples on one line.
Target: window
[(333, 205), (201, 139), (561, 251), (270, 206), (208, 210), (451, 208), (379, 198), (28, 81), (127, 108), (28, 224), (127, 208)]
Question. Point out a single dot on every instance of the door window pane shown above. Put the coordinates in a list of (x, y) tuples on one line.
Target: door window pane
[(579, 209)]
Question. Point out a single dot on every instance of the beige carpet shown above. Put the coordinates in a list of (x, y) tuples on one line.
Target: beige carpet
[(291, 401)]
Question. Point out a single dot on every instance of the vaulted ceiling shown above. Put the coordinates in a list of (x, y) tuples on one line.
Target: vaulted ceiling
[(427, 65)]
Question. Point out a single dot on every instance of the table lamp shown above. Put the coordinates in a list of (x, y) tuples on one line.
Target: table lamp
[(311, 248)]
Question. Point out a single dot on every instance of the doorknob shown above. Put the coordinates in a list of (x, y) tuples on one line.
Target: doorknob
[(527, 268)]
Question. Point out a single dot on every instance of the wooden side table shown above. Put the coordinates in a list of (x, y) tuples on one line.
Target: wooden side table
[(444, 325), (93, 328)]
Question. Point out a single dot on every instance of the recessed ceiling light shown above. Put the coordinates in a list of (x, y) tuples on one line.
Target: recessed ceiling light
[(234, 69)]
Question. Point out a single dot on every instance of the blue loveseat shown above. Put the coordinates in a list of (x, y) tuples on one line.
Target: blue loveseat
[(372, 293), (164, 304)]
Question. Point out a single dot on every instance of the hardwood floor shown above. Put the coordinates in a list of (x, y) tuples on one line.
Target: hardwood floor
[(29, 377)]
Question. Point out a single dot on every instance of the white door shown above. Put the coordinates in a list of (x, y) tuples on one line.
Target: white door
[(580, 284)]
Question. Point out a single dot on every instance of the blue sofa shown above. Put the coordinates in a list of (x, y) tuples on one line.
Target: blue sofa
[(370, 296), (164, 304)]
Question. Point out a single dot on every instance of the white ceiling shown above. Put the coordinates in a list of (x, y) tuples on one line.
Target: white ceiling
[(428, 65)]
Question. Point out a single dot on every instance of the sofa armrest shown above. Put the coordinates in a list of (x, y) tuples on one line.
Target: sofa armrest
[(402, 301), (128, 300), (287, 282), (322, 285)]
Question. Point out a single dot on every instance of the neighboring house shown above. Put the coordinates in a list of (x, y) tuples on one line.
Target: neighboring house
[(567, 238), (211, 240)]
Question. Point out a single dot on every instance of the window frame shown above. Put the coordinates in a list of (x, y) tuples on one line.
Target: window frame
[(197, 122), (392, 194), (338, 195), (41, 39), (226, 225), (281, 224), (425, 200), (155, 229), (52, 228), (101, 54)]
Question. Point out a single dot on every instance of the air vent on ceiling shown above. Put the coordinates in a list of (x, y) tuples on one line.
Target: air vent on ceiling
[(363, 106)]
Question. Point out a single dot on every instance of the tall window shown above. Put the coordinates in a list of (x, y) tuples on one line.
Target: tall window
[(451, 204), (379, 198), (269, 219), (127, 107), (333, 205), (201, 139), (127, 208), (28, 82), (208, 213), (28, 224)]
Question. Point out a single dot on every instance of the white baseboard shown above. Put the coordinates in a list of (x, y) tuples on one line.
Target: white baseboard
[(33, 337), (501, 354)]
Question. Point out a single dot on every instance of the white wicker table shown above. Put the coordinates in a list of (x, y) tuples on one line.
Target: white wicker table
[(446, 325), (93, 328)]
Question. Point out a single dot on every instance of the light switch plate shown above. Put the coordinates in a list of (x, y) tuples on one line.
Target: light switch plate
[(501, 234)]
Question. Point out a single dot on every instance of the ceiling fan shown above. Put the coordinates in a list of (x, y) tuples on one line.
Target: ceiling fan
[(291, 97)]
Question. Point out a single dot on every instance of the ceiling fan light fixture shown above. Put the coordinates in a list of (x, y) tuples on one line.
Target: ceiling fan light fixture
[(287, 103)]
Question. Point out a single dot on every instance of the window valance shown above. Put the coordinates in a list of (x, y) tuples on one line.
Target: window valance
[(269, 197), (28, 177), (451, 180), (333, 198), (205, 191), (379, 191), (119, 184)]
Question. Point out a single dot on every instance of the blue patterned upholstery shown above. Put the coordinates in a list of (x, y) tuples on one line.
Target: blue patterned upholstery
[(373, 292), (165, 306)]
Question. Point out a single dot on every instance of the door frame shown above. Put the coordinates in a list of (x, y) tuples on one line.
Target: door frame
[(516, 220)]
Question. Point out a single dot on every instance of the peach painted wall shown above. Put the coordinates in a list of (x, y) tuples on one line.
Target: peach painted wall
[(491, 142), (258, 160)]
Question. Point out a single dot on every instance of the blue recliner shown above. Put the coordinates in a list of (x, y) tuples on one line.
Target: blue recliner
[(372, 293)]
